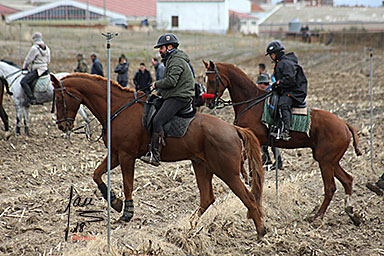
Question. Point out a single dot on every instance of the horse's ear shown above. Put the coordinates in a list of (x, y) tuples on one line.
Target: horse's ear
[(206, 64), (55, 81), (211, 64)]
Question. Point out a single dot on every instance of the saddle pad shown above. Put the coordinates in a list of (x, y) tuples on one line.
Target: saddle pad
[(177, 127), (42, 84), (300, 123)]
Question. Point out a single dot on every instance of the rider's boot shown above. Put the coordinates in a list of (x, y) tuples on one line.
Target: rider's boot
[(153, 155), (30, 99)]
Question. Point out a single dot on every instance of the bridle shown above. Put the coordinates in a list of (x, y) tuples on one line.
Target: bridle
[(220, 103), (216, 99), (63, 90)]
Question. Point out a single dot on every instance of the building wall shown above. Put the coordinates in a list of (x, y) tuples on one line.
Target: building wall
[(249, 26), (240, 5), (196, 16)]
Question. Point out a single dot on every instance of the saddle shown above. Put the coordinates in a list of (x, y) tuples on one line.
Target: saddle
[(178, 125), (41, 84), (300, 115)]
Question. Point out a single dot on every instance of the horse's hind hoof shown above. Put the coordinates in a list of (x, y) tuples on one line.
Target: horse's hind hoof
[(17, 132), (7, 135), (117, 204), (356, 218), (125, 218), (261, 233)]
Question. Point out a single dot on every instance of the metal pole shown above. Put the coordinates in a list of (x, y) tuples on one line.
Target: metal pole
[(277, 172), (371, 75), (109, 36)]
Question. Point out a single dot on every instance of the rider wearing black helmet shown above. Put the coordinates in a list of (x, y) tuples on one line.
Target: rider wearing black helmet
[(177, 89), (291, 83)]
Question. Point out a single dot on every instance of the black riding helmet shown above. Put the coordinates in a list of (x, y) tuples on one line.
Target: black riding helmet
[(274, 46), (167, 39)]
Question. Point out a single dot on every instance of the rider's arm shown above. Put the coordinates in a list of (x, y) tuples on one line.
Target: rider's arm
[(173, 76), (30, 57), (288, 74)]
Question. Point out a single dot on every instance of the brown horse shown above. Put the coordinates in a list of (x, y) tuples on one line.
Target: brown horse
[(3, 114), (329, 136), (213, 146)]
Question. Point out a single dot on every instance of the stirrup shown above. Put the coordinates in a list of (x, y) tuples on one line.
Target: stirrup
[(149, 158)]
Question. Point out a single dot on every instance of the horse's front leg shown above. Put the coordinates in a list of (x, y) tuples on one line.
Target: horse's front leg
[(127, 164), (18, 117), (26, 120), (116, 203)]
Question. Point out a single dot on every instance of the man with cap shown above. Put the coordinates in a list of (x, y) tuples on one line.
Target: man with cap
[(97, 68), (291, 83), (177, 90), (82, 66), (36, 61), (122, 71)]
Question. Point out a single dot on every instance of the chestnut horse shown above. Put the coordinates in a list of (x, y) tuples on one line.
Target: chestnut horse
[(3, 114), (329, 136), (213, 146)]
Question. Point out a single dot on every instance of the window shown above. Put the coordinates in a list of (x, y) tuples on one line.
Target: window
[(175, 21)]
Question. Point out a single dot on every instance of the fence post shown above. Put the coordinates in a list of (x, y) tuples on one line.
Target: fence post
[(371, 100)]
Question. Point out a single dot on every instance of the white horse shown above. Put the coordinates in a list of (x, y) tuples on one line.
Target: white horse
[(13, 75)]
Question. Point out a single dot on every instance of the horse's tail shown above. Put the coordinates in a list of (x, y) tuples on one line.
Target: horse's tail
[(252, 149), (355, 139)]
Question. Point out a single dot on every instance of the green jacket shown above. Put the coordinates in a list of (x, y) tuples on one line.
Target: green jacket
[(82, 66), (178, 81)]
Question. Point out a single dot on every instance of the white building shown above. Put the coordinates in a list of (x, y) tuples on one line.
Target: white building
[(198, 15)]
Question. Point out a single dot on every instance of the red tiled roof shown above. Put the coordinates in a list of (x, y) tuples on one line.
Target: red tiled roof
[(241, 15), (128, 8), (256, 8), (7, 10)]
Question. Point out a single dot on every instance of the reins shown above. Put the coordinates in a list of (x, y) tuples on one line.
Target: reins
[(220, 103), (113, 116)]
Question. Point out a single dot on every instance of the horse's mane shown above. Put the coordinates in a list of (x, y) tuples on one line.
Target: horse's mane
[(235, 71), (11, 63), (98, 78)]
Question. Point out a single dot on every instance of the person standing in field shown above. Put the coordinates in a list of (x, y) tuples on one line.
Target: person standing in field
[(143, 79), (97, 67), (82, 66), (122, 71)]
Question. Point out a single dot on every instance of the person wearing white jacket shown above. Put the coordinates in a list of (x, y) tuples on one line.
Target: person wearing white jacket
[(36, 62)]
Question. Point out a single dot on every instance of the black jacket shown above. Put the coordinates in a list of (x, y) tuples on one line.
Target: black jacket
[(97, 68), (122, 72), (142, 80), (291, 77)]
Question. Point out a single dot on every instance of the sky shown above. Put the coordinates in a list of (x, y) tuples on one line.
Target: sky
[(372, 3)]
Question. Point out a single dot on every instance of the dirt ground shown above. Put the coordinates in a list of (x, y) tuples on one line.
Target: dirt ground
[(37, 173)]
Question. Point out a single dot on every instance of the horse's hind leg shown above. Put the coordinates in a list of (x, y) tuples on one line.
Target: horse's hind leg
[(116, 203), (327, 173), (347, 180), (248, 199), (204, 183), (5, 119)]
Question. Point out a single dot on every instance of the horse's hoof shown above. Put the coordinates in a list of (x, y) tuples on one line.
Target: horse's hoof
[(261, 233), (117, 204), (7, 135), (26, 131), (356, 218), (125, 218), (17, 132)]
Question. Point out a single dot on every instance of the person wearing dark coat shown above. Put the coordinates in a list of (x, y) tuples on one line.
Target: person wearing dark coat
[(159, 68), (291, 83), (143, 79), (97, 68), (122, 71)]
